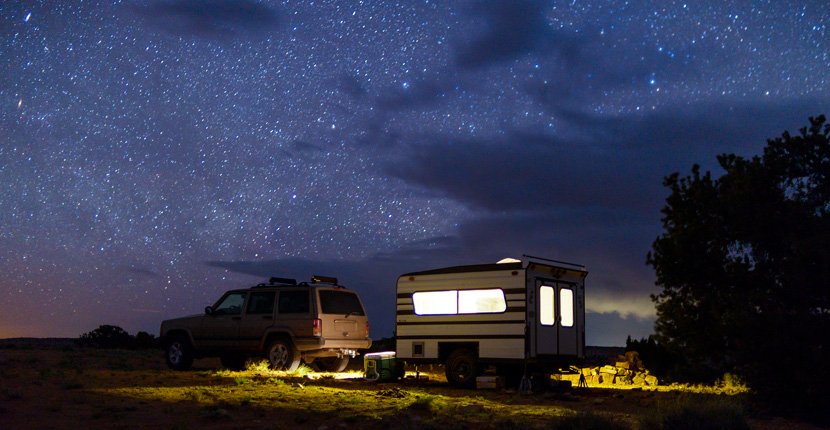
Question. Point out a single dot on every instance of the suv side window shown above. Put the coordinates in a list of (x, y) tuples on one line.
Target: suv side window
[(294, 302), (261, 302), (230, 305)]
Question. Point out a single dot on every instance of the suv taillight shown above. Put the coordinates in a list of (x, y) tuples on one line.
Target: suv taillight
[(317, 327), (367, 328)]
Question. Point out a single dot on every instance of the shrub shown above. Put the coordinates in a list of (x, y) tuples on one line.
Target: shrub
[(698, 413), (111, 337), (588, 421), (261, 366)]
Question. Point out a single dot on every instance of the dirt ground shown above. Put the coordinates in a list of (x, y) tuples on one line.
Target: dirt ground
[(67, 387)]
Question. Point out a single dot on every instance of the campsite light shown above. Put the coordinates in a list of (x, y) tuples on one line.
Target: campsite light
[(317, 327)]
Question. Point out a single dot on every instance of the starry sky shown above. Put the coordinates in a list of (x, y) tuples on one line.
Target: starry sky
[(154, 154)]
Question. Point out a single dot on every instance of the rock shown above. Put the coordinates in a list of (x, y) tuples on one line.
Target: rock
[(472, 409), (651, 380), (639, 379), (623, 365), (611, 370)]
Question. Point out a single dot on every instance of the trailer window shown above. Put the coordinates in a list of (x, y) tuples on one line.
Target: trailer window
[(566, 307), (435, 302), (546, 305), (481, 301), (453, 302)]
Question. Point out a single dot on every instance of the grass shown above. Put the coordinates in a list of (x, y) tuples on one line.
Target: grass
[(423, 403), (694, 412), (161, 398), (588, 421)]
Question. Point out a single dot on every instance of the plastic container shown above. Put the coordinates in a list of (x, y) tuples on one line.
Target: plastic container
[(379, 366)]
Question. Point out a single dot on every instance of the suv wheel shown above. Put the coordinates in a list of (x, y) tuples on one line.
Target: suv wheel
[(331, 364), (461, 368), (283, 356), (178, 353)]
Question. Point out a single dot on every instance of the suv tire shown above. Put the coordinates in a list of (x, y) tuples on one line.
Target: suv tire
[(282, 355), (461, 368), (178, 353), (331, 364)]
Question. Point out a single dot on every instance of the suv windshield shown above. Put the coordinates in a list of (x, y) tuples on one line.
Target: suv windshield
[(340, 302)]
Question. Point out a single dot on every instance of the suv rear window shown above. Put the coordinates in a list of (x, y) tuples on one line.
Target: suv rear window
[(340, 302)]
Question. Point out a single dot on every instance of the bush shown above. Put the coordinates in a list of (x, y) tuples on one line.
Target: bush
[(112, 337), (698, 413), (588, 421)]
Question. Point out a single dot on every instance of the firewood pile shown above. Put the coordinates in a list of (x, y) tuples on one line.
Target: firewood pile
[(621, 370)]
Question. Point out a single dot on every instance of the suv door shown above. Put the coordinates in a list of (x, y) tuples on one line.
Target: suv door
[(220, 329), (258, 316), (342, 315)]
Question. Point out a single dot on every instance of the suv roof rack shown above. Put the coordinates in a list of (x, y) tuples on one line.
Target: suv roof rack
[(324, 280), (290, 282), (278, 282)]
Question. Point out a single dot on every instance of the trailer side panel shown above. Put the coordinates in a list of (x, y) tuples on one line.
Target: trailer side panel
[(486, 310)]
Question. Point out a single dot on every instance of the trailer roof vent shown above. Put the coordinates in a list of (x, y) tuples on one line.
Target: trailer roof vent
[(508, 260)]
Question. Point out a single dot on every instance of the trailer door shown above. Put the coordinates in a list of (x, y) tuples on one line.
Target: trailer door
[(556, 326)]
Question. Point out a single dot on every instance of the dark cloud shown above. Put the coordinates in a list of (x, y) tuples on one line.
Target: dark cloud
[(413, 95), (611, 329), (510, 29), (528, 171), (352, 86), (212, 18), (608, 162)]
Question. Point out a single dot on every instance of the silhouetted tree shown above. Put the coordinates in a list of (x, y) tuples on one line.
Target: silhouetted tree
[(144, 340), (744, 267), (107, 336), (658, 359)]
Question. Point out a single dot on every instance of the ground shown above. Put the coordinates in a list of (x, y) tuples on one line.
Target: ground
[(67, 387)]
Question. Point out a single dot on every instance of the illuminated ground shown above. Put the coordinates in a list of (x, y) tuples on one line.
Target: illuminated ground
[(82, 388)]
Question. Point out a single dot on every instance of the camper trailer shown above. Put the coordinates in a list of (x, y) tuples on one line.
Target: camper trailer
[(513, 316)]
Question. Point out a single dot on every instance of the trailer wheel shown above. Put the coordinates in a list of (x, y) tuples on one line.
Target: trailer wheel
[(461, 368)]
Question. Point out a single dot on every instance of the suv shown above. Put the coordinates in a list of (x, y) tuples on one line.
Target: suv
[(321, 323)]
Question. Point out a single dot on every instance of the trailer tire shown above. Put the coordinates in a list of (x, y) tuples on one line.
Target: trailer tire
[(461, 368)]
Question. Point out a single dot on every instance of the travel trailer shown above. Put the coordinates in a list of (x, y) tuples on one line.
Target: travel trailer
[(523, 316)]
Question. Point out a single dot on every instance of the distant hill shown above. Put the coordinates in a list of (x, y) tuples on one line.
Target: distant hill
[(37, 342)]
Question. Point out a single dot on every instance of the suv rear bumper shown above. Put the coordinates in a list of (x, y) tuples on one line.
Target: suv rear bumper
[(314, 343)]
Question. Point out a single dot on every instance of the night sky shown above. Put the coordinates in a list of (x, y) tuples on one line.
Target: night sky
[(154, 154)]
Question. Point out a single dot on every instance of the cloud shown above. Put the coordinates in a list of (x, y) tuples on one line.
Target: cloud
[(525, 171), (510, 29), (212, 18), (597, 161)]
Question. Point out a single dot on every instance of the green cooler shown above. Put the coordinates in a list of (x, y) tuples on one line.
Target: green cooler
[(379, 366)]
